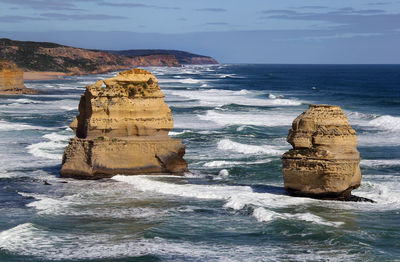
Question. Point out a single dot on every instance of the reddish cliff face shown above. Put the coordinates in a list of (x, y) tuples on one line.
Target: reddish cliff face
[(154, 60), (202, 61), (11, 79), (99, 62), (50, 57)]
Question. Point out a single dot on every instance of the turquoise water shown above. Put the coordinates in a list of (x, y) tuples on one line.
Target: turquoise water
[(233, 120)]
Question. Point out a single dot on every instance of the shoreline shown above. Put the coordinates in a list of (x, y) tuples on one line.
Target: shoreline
[(35, 75)]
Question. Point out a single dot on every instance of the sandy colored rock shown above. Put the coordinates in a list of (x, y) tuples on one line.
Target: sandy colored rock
[(324, 160), (122, 128), (11, 79)]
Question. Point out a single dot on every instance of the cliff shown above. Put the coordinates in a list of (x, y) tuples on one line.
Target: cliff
[(122, 128), (183, 58), (11, 79), (324, 161), (50, 57)]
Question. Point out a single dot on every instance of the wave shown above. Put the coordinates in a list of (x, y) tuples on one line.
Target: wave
[(236, 147), (229, 76), (386, 122), (36, 106), (23, 101), (182, 81), (380, 163), (235, 197), (46, 204), (265, 215), (374, 121), (173, 133), (219, 97), (273, 118), (376, 130), (51, 149), (225, 163), (8, 126), (382, 138), (32, 240)]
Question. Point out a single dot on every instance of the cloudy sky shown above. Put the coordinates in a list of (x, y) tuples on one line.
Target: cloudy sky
[(232, 31)]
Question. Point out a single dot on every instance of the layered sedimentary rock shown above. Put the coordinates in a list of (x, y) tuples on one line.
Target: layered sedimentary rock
[(11, 79), (324, 161), (122, 128)]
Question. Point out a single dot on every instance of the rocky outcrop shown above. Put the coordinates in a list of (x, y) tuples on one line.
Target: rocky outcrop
[(11, 79), (324, 161), (122, 128)]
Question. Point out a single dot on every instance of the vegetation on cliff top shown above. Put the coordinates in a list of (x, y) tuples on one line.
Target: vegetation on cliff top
[(44, 56)]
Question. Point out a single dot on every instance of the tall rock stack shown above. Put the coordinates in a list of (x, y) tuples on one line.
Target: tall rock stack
[(324, 161), (11, 79), (122, 128)]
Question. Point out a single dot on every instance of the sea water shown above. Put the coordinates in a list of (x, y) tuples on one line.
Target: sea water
[(234, 120)]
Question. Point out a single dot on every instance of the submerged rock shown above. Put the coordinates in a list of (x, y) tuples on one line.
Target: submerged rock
[(11, 79), (324, 162), (122, 128)]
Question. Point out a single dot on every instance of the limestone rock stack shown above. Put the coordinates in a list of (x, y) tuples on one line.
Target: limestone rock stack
[(122, 128), (11, 79), (324, 161)]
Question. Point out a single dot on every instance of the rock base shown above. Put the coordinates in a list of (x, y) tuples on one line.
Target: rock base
[(105, 157), (344, 196)]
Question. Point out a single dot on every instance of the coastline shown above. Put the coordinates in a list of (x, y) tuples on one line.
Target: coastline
[(36, 75)]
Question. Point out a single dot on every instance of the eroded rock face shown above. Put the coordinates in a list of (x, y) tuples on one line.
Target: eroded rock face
[(122, 128), (11, 79), (324, 161)]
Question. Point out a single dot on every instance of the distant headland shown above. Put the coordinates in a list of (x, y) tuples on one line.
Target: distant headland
[(44, 60)]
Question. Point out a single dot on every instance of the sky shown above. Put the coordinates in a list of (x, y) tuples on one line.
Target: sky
[(231, 31)]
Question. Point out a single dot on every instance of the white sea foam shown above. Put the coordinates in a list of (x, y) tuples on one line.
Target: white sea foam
[(265, 215), (222, 175), (8, 126), (84, 204), (51, 149), (48, 205), (35, 106), (386, 122), (227, 144), (143, 183), (378, 130), (235, 197), (172, 133), (182, 81), (23, 101), (225, 163), (229, 76), (222, 163), (382, 138), (29, 239), (220, 97), (380, 162), (273, 118)]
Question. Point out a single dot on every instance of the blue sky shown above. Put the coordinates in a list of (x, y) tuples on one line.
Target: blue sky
[(232, 31)]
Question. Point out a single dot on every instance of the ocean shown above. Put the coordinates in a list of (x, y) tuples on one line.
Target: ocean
[(234, 120)]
